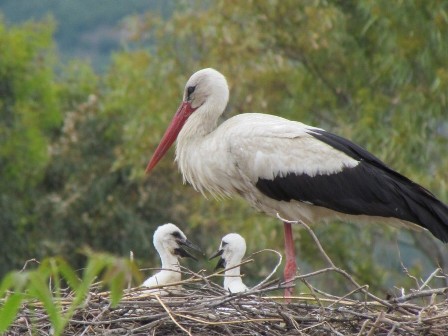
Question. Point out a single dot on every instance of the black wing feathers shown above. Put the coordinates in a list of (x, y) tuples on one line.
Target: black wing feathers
[(371, 188), (354, 191)]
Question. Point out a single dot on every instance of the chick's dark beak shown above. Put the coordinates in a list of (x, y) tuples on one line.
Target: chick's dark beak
[(181, 252), (221, 262), (216, 254)]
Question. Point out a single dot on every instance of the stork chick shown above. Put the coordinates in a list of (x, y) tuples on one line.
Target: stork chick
[(169, 242), (231, 251)]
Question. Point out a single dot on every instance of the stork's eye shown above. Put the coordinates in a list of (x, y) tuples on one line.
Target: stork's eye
[(223, 243), (190, 91), (176, 234)]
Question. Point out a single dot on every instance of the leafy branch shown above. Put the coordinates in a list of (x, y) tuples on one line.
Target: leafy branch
[(44, 287)]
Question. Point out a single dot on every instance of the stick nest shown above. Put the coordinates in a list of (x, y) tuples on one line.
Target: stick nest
[(202, 307), (198, 306)]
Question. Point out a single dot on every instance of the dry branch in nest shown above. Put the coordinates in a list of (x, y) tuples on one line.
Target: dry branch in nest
[(204, 308)]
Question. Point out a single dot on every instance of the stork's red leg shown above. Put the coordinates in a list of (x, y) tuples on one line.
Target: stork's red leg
[(291, 265)]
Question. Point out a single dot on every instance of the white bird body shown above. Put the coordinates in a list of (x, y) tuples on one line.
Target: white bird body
[(232, 250), (168, 240), (231, 159)]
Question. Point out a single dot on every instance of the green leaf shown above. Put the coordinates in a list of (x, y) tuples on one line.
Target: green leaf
[(117, 284), (68, 273), (9, 310), (13, 280), (38, 288)]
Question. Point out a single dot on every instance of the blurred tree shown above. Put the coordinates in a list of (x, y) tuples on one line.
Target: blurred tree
[(95, 198), (374, 72), (29, 119)]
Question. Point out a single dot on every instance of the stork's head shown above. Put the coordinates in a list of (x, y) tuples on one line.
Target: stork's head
[(169, 239), (231, 250), (205, 92), (206, 86)]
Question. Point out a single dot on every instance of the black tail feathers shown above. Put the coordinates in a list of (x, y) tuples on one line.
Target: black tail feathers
[(428, 211)]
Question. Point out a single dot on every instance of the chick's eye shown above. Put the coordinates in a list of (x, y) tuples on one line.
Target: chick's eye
[(176, 234), (190, 91)]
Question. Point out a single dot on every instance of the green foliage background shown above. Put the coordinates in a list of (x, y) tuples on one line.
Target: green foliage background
[(74, 143)]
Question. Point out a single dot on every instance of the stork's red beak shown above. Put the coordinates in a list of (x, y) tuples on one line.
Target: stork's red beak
[(171, 133)]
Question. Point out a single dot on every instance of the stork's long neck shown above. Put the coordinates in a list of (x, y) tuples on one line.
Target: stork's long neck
[(232, 276), (191, 146), (169, 261), (234, 272), (202, 122)]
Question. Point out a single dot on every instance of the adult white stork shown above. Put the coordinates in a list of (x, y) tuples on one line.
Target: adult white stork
[(288, 168)]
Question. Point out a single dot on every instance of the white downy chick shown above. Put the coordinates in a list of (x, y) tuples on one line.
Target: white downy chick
[(169, 241), (232, 250)]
